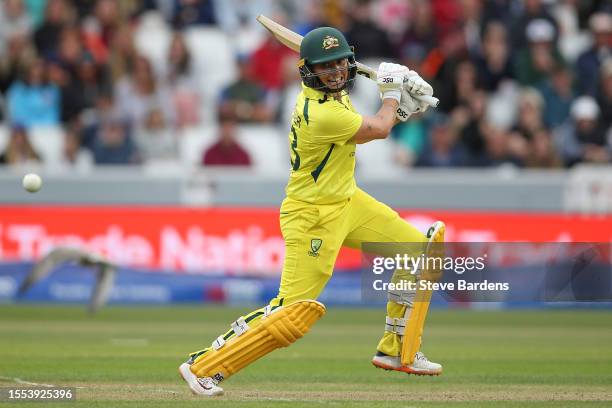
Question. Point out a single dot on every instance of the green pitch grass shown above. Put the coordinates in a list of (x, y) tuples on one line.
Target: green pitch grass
[(129, 357)]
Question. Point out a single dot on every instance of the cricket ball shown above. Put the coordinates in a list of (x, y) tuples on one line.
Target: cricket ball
[(32, 182)]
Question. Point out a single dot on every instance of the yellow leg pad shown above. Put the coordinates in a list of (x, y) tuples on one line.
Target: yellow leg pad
[(414, 329), (279, 329), (413, 333)]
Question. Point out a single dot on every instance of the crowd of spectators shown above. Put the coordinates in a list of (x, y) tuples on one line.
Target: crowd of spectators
[(526, 82)]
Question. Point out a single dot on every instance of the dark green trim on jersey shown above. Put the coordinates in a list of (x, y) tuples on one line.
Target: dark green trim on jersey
[(295, 163), (317, 172), (306, 110)]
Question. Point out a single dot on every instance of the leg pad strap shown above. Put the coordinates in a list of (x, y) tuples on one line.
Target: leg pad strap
[(280, 328)]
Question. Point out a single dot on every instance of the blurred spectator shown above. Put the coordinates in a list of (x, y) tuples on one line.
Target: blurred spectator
[(419, 38), (472, 23), (529, 123), (469, 121), (494, 64), (123, 54), (558, 94), (369, 40), (536, 62), (542, 152), (410, 138), (462, 86), (19, 150), (154, 139), (531, 10), (226, 151), (71, 95), (233, 15), (113, 144), (74, 156), (33, 101), (442, 149), (183, 83), (36, 11), (244, 100), (193, 12), (18, 54), (99, 28), (393, 15), (93, 78), (583, 138), (312, 15), (70, 49), (139, 93), (604, 96), (268, 62), (57, 15), (14, 20), (588, 64)]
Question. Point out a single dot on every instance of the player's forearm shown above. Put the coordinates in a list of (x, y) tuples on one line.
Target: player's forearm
[(378, 126)]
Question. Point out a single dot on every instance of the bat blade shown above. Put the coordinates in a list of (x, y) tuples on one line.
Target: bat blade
[(293, 40), (283, 34)]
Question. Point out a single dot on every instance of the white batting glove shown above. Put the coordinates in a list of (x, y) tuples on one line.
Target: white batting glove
[(408, 105), (416, 85), (391, 80)]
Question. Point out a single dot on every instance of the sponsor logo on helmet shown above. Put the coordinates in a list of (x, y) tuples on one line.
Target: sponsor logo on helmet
[(330, 42)]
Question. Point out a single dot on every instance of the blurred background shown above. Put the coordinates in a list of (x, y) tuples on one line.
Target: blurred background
[(160, 130)]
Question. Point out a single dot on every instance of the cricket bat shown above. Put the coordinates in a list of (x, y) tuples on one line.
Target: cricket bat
[(293, 40)]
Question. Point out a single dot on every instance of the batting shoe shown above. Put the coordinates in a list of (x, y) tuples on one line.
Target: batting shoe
[(420, 366), (199, 386)]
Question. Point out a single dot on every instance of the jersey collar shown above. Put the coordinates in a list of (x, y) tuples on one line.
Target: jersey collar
[(311, 93)]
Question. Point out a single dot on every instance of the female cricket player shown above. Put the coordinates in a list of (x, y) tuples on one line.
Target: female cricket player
[(324, 210)]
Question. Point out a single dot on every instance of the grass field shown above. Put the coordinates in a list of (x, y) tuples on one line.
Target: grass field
[(129, 356)]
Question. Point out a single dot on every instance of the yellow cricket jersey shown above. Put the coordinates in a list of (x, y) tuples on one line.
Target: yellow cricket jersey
[(322, 158)]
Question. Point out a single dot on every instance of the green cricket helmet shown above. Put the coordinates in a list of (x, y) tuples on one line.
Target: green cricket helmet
[(324, 44)]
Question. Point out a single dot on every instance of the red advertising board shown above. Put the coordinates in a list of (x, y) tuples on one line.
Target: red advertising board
[(245, 240)]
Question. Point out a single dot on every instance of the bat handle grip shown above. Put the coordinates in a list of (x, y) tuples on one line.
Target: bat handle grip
[(430, 100)]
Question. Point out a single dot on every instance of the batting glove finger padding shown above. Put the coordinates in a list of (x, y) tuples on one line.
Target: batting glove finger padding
[(416, 85), (408, 105), (390, 80)]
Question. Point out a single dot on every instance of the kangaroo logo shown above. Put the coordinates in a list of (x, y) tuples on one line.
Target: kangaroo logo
[(315, 245), (330, 42)]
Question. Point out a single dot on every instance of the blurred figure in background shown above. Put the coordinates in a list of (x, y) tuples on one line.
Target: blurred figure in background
[(365, 35), (226, 151), (14, 20), (100, 27), (542, 151), (57, 15), (558, 93), (604, 94), (19, 150), (18, 53), (589, 63), (244, 100), (74, 156), (535, 63), (442, 149), (112, 144), (123, 54), (33, 101), (193, 12), (529, 11), (137, 93), (154, 139), (183, 83), (583, 138), (494, 63)]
